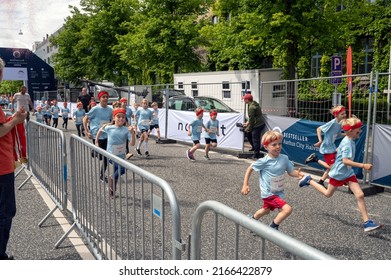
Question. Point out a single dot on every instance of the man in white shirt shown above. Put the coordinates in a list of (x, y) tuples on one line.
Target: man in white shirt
[(22, 100)]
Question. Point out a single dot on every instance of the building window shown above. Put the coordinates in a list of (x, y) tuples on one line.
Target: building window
[(226, 94), (279, 90), (226, 89), (315, 65), (194, 89), (215, 19), (246, 85), (365, 57), (48, 60), (47, 49), (180, 85)]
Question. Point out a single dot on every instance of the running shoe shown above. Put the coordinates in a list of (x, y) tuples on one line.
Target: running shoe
[(305, 181), (312, 158), (370, 225), (138, 152)]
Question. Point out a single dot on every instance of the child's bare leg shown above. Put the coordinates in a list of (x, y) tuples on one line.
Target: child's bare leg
[(358, 193), (194, 148), (260, 213), (284, 212), (324, 164), (207, 148), (326, 192)]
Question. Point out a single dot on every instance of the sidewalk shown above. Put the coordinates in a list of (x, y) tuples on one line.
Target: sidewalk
[(28, 241)]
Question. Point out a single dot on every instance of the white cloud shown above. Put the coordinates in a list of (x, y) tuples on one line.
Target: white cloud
[(35, 18)]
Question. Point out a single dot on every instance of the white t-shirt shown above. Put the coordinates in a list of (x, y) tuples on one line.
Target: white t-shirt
[(22, 100)]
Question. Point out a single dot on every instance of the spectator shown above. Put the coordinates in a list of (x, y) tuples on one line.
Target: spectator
[(7, 179), (255, 124), (85, 99)]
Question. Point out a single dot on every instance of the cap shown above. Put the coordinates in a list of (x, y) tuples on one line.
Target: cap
[(248, 96)]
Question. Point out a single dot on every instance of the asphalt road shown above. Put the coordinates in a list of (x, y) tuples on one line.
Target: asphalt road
[(331, 225)]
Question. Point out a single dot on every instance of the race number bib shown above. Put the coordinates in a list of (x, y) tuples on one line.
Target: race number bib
[(119, 149), (199, 129), (212, 129), (277, 184), (79, 119), (144, 122)]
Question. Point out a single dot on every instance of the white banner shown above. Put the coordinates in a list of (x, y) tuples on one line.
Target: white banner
[(381, 171), (15, 74), (230, 135)]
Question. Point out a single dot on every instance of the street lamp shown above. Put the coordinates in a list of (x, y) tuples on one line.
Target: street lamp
[(20, 30)]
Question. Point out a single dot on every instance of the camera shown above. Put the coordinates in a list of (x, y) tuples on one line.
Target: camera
[(240, 125)]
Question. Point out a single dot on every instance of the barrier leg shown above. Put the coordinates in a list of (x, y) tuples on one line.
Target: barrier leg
[(20, 170), (65, 235), (47, 216), (25, 181)]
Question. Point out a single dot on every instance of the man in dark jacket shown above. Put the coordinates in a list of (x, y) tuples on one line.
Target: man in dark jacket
[(255, 124)]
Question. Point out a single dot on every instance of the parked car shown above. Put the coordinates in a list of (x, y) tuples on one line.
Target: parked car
[(160, 95), (187, 103)]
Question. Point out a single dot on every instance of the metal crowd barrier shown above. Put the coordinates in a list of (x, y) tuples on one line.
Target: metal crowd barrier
[(135, 223), (287, 243), (47, 162)]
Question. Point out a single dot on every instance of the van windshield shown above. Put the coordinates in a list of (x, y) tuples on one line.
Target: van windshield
[(112, 92)]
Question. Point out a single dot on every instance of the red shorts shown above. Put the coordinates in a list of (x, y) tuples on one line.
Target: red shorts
[(337, 183), (273, 202), (330, 158)]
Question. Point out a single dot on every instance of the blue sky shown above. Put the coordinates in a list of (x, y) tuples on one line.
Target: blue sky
[(35, 18)]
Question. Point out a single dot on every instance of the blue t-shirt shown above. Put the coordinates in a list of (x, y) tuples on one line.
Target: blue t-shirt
[(129, 114), (99, 116), (39, 116), (272, 174), (212, 126), (79, 115), (196, 129), (144, 117), (65, 112), (331, 130), (346, 149), (55, 110), (117, 138), (155, 116)]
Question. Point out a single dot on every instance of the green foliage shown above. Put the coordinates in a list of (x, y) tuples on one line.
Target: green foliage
[(10, 87), (145, 42)]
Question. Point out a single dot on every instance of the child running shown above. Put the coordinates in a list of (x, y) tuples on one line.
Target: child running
[(78, 116), (129, 116), (39, 115), (55, 110), (65, 115), (194, 130), (271, 169), (331, 131), (342, 173), (118, 136), (213, 129), (155, 122), (144, 117)]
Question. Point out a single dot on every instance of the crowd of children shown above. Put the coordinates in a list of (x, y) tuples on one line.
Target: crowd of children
[(338, 162)]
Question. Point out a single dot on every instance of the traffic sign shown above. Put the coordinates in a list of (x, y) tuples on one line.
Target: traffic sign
[(336, 69)]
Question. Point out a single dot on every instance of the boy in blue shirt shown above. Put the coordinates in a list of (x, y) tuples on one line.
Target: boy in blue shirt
[(271, 169), (331, 131), (155, 121), (55, 110), (194, 130), (65, 115), (342, 173), (144, 120), (213, 129), (78, 116), (39, 115)]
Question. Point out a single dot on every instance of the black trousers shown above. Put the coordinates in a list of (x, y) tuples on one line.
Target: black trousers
[(255, 141)]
